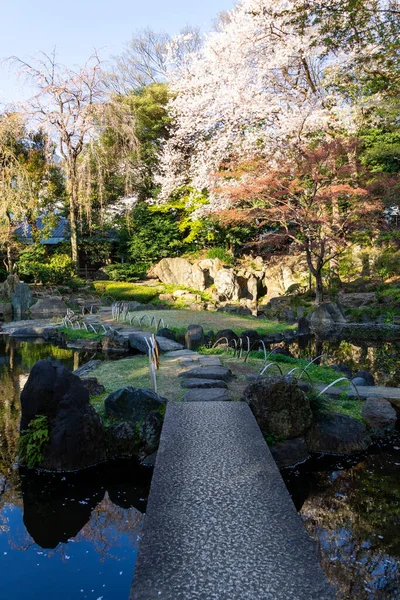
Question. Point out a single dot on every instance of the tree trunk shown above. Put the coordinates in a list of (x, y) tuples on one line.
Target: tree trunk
[(74, 235), (319, 292), (73, 203), (9, 265)]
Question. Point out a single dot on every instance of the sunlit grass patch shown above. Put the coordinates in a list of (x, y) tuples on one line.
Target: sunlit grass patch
[(118, 374), (79, 334)]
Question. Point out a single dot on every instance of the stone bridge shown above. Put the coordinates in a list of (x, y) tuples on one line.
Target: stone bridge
[(220, 524)]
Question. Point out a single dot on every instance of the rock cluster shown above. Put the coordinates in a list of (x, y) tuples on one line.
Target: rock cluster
[(141, 409), (15, 297), (283, 412), (230, 284), (77, 435)]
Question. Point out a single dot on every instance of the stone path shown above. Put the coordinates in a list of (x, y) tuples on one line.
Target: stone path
[(219, 522), (207, 381)]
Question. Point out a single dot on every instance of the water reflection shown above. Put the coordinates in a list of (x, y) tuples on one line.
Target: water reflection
[(351, 507), (58, 506), (379, 357), (65, 535)]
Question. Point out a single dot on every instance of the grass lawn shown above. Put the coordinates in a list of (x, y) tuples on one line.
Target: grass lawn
[(79, 334), (134, 371), (122, 290), (178, 320)]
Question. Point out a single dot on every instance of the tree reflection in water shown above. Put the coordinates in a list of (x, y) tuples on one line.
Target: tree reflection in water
[(70, 535), (381, 358), (354, 514)]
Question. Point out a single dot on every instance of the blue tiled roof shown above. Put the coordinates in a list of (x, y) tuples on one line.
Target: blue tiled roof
[(59, 234)]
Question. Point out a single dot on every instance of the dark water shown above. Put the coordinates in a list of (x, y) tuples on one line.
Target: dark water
[(382, 359), (62, 536), (70, 536), (352, 508)]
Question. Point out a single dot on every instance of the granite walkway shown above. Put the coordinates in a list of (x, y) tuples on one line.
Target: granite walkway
[(220, 524)]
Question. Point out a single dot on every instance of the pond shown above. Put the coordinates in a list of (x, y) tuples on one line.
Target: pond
[(76, 535), (351, 507), (62, 535), (381, 358)]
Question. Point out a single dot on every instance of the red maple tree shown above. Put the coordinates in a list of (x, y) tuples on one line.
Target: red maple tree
[(313, 200)]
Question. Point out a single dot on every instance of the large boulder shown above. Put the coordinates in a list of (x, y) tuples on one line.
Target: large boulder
[(252, 334), (228, 334), (279, 405), (331, 433), (227, 285), (93, 386), (122, 440), (179, 271), (290, 452), (326, 316), (303, 326), (133, 404), (150, 431), (7, 288), (166, 333), (48, 307), (367, 376), (210, 266), (21, 299), (6, 308), (194, 337), (114, 341), (77, 437), (379, 415)]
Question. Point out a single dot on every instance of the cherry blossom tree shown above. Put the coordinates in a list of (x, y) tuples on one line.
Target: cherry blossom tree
[(67, 105), (256, 86)]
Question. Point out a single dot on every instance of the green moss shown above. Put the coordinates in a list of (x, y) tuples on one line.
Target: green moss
[(273, 439), (134, 371)]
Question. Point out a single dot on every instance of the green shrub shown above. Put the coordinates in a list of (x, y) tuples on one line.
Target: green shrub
[(220, 253), (127, 271), (35, 266), (33, 442), (388, 264), (75, 283), (389, 295)]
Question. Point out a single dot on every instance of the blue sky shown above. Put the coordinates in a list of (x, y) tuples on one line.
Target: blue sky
[(75, 27)]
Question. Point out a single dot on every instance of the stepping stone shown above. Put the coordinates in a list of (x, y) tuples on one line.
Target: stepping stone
[(178, 353), (208, 373), (137, 341), (188, 363), (206, 361), (208, 395), (202, 383)]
